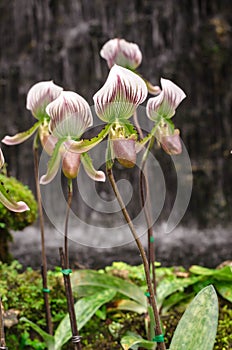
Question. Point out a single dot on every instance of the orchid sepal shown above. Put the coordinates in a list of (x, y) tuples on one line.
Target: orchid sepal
[(96, 175), (9, 203), (22, 136), (85, 145), (53, 164)]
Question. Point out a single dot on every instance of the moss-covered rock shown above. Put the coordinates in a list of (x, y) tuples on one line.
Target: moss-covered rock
[(10, 220)]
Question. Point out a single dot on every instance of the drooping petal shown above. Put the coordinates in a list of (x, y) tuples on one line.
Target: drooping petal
[(40, 95), (165, 104), (94, 174), (2, 160), (121, 94), (70, 115), (86, 145), (121, 52), (22, 136), (9, 203), (53, 164)]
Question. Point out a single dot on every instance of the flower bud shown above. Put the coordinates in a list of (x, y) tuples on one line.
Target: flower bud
[(121, 52)]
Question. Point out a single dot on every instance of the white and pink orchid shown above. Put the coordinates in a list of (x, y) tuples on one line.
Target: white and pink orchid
[(70, 116), (121, 52), (164, 105), (38, 97), (121, 94)]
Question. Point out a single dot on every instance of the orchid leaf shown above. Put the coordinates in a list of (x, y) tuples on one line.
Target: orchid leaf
[(198, 326), (53, 164), (94, 174), (223, 274), (94, 278), (130, 305), (85, 308), (22, 136), (224, 289), (134, 341), (8, 202), (86, 145), (48, 339)]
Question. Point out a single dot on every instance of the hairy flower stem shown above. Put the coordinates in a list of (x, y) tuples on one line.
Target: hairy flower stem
[(70, 301), (43, 249), (158, 331), (146, 204), (64, 260), (69, 201)]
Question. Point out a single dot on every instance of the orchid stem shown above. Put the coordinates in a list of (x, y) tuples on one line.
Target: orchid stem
[(146, 204), (69, 201), (43, 248), (126, 215), (2, 333), (64, 261)]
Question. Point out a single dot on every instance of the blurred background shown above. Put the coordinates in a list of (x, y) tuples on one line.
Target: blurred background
[(187, 41)]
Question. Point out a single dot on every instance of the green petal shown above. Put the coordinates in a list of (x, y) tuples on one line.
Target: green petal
[(88, 166), (8, 202), (85, 145), (53, 164), (22, 136)]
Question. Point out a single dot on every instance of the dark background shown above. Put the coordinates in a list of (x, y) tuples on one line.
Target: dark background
[(187, 41)]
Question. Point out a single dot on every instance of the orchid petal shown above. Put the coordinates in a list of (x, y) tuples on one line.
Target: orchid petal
[(9, 203), (91, 172), (165, 104), (86, 145), (22, 136), (40, 95), (2, 160), (121, 52), (121, 94), (53, 164), (70, 115), (47, 140)]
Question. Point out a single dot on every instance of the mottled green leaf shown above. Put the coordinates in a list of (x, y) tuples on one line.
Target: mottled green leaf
[(94, 278), (48, 339), (130, 305), (85, 308), (225, 289), (134, 341), (198, 326)]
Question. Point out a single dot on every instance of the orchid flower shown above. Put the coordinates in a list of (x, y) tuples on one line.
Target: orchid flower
[(161, 109), (6, 199), (121, 52), (38, 97), (70, 116), (115, 103)]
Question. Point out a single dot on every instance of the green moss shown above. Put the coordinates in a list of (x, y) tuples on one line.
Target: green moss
[(224, 333)]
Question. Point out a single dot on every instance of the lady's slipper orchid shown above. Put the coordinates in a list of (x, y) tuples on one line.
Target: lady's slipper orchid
[(38, 97), (121, 52), (70, 116), (165, 104), (6, 199), (121, 94), (170, 141)]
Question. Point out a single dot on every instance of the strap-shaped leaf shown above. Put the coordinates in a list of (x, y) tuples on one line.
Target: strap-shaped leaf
[(48, 339), (134, 341), (198, 326)]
